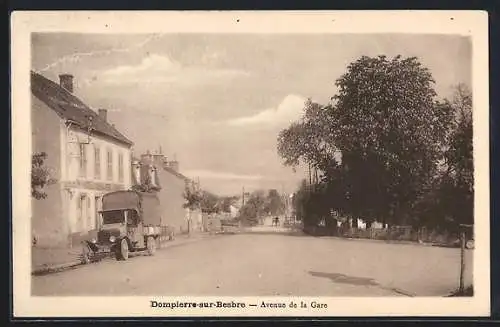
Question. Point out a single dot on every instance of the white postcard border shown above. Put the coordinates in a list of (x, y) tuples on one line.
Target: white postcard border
[(470, 23)]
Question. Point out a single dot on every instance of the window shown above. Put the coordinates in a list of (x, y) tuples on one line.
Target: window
[(120, 167), (82, 210), (83, 160), (112, 217), (109, 172), (133, 218), (97, 207), (88, 213), (97, 163)]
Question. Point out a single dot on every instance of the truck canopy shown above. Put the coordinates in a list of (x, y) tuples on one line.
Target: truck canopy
[(150, 205), (146, 204)]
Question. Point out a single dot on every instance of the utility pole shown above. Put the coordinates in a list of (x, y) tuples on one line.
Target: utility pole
[(243, 197), (310, 177), (463, 240), (462, 262)]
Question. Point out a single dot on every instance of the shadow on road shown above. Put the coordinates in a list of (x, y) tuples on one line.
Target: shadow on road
[(357, 281)]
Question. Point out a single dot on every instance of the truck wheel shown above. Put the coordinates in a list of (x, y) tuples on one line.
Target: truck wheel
[(85, 254), (151, 245), (122, 251)]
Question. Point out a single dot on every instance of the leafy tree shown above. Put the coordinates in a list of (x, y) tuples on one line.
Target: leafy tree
[(379, 141), (274, 203), (40, 176), (459, 158), (298, 201), (193, 197), (450, 197), (309, 140), (226, 203), (253, 208), (209, 202), (390, 130)]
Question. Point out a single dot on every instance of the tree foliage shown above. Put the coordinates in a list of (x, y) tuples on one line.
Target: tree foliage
[(275, 204), (380, 143), (40, 176), (226, 202), (253, 209), (459, 158), (206, 201), (146, 185), (209, 203), (193, 197)]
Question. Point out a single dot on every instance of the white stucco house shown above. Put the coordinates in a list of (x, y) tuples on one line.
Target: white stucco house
[(87, 155)]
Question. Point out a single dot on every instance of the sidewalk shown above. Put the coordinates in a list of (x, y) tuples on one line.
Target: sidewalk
[(48, 260)]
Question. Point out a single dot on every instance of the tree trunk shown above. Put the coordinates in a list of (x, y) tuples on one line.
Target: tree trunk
[(462, 261), (354, 223)]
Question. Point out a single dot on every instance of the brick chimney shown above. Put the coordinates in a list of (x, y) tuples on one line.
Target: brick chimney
[(136, 171), (66, 82), (103, 113)]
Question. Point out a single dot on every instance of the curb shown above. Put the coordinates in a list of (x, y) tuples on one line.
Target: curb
[(55, 268), (379, 241), (49, 269)]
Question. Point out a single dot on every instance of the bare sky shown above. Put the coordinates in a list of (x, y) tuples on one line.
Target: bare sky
[(217, 102)]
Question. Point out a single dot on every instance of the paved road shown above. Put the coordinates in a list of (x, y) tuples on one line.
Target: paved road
[(266, 264)]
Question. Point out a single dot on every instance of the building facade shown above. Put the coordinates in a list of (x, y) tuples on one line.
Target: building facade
[(172, 186), (87, 157)]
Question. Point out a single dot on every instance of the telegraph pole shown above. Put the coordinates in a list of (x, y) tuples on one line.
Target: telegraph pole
[(243, 196), (310, 177)]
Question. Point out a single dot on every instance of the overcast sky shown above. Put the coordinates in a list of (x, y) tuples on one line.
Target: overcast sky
[(217, 102)]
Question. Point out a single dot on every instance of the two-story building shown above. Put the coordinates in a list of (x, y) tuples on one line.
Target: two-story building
[(86, 154)]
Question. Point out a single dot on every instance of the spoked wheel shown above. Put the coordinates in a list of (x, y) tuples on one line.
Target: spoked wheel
[(122, 252), (85, 254), (151, 245)]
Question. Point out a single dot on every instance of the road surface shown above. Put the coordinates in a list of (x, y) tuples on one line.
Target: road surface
[(267, 264)]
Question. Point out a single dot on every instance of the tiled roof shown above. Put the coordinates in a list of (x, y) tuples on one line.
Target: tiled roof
[(176, 173), (68, 106)]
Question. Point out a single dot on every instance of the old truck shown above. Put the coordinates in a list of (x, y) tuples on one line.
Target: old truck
[(131, 222)]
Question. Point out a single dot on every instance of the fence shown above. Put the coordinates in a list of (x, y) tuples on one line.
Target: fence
[(167, 233), (394, 233)]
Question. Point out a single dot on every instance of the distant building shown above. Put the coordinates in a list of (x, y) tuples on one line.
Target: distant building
[(234, 210), (171, 189), (87, 155)]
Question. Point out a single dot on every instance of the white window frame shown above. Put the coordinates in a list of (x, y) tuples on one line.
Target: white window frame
[(121, 175), (97, 162), (83, 160), (109, 165)]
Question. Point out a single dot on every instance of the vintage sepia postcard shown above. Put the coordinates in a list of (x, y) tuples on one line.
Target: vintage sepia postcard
[(250, 164)]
